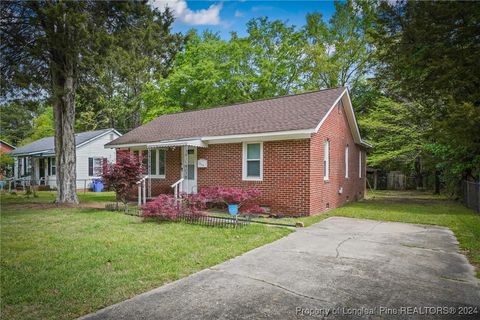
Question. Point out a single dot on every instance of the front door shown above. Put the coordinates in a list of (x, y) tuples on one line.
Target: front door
[(189, 169)]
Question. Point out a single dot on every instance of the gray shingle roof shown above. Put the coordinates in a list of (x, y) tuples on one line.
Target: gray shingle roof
[(294, 112), (47, 145)]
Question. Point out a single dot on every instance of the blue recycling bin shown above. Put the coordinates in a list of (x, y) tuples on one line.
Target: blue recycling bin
[(97, 185)]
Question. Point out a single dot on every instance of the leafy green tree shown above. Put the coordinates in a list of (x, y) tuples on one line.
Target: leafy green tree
[(138, 55), (397, 141), (154, 103), (50, 47), (43, 126), (277, 57), (6, 165), (16, 120), (429, 55), (339, 52)]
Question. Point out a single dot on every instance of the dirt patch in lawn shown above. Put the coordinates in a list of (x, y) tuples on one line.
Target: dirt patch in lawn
[(45, 206)]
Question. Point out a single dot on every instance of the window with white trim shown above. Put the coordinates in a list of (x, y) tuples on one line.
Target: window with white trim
[(53, 166), (95, 167), (326, 160), (346, 161), (157, 163), (360, 164), (20, 167), (253, 161)]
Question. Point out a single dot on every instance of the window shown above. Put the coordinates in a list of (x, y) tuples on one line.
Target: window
[(253, 161), (326, 160), (26, 166), (360, 164), (95, 167), (346, 161), (20, 167), (53, 166), (157, 163)]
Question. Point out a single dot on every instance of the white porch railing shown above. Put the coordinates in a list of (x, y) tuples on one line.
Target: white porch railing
[(142, 191), (177, 187)]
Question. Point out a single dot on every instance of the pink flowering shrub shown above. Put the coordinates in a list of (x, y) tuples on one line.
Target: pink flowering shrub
[(230, 195), (166, 207)]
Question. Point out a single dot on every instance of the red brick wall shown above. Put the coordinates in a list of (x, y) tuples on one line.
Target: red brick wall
[(324, 195), (172, 173), (285, 182)]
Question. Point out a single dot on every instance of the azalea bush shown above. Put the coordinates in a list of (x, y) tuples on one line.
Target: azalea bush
[(244, 198), (167, 207)]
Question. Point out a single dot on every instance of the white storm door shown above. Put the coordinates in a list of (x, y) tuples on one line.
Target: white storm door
[(189, 166)]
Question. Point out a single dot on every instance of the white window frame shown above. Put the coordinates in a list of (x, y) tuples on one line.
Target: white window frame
[(360, 164), (245, 160), (93, 166), (157, 165), (326, 160), (346, 161), (53, 164)]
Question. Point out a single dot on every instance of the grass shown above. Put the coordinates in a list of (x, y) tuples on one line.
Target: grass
[(49, 197), (62, 263)]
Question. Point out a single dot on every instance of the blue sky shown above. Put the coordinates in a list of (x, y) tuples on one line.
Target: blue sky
[(227, 16)]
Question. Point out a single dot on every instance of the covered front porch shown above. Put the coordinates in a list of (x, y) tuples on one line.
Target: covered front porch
[(36, 169), (171, 167)]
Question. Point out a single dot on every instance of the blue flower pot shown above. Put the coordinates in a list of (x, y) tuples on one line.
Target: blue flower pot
[(233, 209)]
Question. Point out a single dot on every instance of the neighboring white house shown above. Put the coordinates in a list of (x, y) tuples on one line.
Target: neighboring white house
[(36, 161)]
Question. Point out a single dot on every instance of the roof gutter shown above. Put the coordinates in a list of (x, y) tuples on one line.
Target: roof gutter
[(261, 136)]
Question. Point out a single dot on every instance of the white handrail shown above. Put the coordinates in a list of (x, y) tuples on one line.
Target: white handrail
[(142, 180), (142, 197), (176, 186)]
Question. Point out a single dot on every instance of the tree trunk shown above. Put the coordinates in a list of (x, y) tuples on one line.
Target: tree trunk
[(64, 112), (418, 174), (437, 182)]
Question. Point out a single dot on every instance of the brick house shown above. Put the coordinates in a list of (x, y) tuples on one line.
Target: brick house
[(304, 151), (5, 148)]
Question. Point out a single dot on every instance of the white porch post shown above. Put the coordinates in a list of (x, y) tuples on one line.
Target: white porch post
[(144, 192), (149, 173), (139, 194), (185, 167)]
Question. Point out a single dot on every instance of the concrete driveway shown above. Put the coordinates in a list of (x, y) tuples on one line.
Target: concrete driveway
[(338, 268)]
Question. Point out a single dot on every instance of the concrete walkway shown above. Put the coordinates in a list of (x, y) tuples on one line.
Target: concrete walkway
[(338, 268)]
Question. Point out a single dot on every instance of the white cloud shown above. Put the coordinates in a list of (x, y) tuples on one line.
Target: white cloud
[(238, 14), (182, 12)]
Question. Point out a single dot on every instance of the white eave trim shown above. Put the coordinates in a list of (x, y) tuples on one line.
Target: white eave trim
[(177, 143), (352, 120), (330, 110), (27, 154), (262, 136), (99, 136)]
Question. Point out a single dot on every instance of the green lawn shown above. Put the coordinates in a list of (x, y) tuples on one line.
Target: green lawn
[(60, 263), (49, 197)]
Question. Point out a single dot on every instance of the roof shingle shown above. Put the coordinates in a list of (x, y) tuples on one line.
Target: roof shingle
[(294, 112), (47, 145)]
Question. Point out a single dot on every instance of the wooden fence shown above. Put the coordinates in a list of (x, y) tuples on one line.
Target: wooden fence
[(471, 195)]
